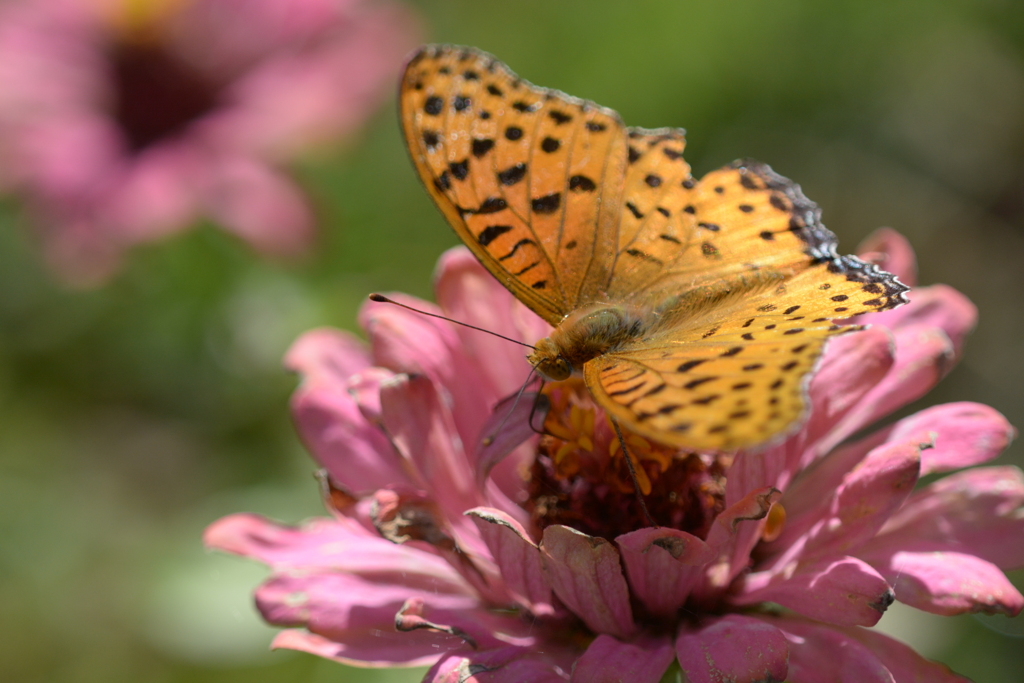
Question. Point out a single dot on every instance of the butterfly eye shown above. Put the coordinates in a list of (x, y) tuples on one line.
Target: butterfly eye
[(555, 369)]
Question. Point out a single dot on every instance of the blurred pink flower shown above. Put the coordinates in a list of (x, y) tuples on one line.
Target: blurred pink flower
[(122, 121), (769, 566)]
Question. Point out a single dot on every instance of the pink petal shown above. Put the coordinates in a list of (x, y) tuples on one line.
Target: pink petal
[(480, 628), (585, 574), (978, 512), (905, 665), (964, 434), (939, 307), (890, 251), (869, 495), (423, 431), (853, 364), (731, 541), (406, 515), (948, 583), (341, 545), (391, 650), (819, 654), (327, 357), (518, 559), (159, 191), (507, 428), (608, 660), (844, 591), (336, 432), (261, 205), (548, 664), (804, 502), (923, 356), (364, 388), (734, 648), (404, 341), (327, 87), (415, 344), (467, 292), (663, 565), (359, 614)]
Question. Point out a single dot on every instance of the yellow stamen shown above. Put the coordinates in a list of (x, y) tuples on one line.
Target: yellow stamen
[(140, 20), (775, 523), (558, 430)]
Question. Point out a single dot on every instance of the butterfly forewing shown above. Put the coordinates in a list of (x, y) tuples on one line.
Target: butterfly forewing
[(529, 178)]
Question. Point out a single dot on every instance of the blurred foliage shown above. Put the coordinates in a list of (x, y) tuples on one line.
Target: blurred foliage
[(133, 415)]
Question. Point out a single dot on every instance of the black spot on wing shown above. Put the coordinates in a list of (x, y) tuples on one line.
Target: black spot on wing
[(549, 203), (559, 117), (582, 183), (516, 247), (433, 105), (637, 253), (491, 233), (459, 169), (489, 205), (482, 146), (512, 174)]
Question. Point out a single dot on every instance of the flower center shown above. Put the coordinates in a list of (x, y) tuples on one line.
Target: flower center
[(580, 477), (157, 94)]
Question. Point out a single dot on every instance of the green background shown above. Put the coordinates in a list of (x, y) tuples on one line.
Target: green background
[(133, 415)]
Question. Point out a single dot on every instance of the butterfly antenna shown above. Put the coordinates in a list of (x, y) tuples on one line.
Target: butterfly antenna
[(632, 472), (380, 298)]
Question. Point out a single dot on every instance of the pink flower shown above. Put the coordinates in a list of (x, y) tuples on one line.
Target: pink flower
[(771, 565), (122, 121)]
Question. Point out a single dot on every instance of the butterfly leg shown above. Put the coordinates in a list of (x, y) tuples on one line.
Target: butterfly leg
[(632, 472), (540, 400)]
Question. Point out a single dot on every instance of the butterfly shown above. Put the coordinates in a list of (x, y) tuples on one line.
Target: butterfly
[(695, 310)]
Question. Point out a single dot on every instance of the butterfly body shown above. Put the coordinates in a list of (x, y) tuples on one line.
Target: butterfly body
[(588, 333), (695, 310)]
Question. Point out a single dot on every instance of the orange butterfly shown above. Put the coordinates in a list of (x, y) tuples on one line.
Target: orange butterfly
[(695, 310)]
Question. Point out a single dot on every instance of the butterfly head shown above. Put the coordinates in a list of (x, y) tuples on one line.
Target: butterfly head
[(549, 362)]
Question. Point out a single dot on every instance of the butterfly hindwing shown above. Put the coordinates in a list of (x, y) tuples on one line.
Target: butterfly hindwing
[(727, 378), (526, 176)]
